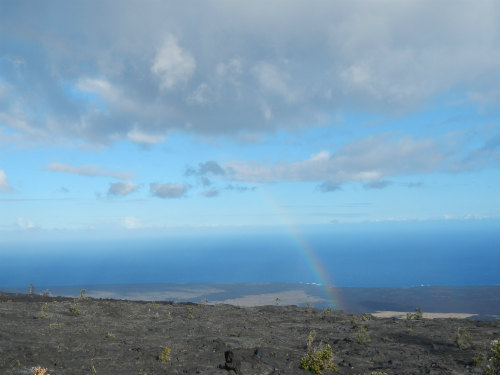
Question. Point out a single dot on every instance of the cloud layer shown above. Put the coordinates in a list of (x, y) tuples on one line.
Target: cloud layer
[(87, 170), (145, 70)]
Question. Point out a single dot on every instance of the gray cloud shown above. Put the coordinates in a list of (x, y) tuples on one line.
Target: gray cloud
[(168, 190), (260, 68), (211, 193), (87, 170), (415, 184), (329, 186), (122, 188), (206, 168), (370, 159), (377, 184), (239, 188)]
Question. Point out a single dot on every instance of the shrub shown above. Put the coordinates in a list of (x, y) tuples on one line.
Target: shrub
[(45, 309), (318, 358), (463, 338), (417, 315), (39, 370), (493, 363), (165, 355), (363, 335), (74, 308)]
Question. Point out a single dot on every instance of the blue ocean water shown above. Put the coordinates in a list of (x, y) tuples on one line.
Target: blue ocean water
[(374, 256)]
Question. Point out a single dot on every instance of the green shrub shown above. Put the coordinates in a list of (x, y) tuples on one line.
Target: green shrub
[(165, 355), (318, 358), (363, 335), (493, 362), (45, 310), (463, 339), (74, 308), (417, 315)]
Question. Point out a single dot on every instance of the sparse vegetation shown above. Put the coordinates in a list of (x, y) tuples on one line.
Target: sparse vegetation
[(318, 358), (493, 359), (463, 338), (165, 355), (363, 335), (190, 313), (417, 315), (39, 370), (44, 314), (74, 308), (83, 295)]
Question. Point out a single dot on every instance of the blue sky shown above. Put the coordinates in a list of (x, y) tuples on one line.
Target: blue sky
[(149, 118)]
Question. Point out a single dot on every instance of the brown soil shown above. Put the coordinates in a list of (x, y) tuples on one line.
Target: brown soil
[(120, 337)]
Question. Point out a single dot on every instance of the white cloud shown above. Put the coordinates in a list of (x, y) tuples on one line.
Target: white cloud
[(138, 136), (25, 224), (86, 170), (4, 183), (172, 64), (131, 222), (122, 188)]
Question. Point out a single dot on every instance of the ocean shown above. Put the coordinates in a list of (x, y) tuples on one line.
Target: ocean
[(398, 255)]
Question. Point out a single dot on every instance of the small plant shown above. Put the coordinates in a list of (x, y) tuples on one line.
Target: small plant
[(463, 339), (366, 317), (93, 369), (378, 373), (39, 370), (55, 325), (309, 308), (169, 316), (45, 310), (417, 315), (74, 308), (165, 355), (318, 358), (479, 359), (363, 335), (32, 289), (190, 313), (110, 335), (154, 306), (493, 361), (354, 321)]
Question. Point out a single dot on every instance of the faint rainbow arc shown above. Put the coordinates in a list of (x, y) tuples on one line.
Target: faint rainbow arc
[(311, 259)]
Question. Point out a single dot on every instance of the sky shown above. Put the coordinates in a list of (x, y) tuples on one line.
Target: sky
[(132, 118)]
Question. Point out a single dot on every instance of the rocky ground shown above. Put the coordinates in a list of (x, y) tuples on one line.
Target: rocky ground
[(97, 336)]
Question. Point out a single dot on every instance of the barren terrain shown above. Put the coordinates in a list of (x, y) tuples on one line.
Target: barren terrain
[(102, 336)]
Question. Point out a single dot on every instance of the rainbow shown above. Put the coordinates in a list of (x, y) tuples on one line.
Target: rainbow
[(313, 262)]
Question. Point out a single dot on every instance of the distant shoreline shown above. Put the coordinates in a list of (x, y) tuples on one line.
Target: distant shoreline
[(470, 302)]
